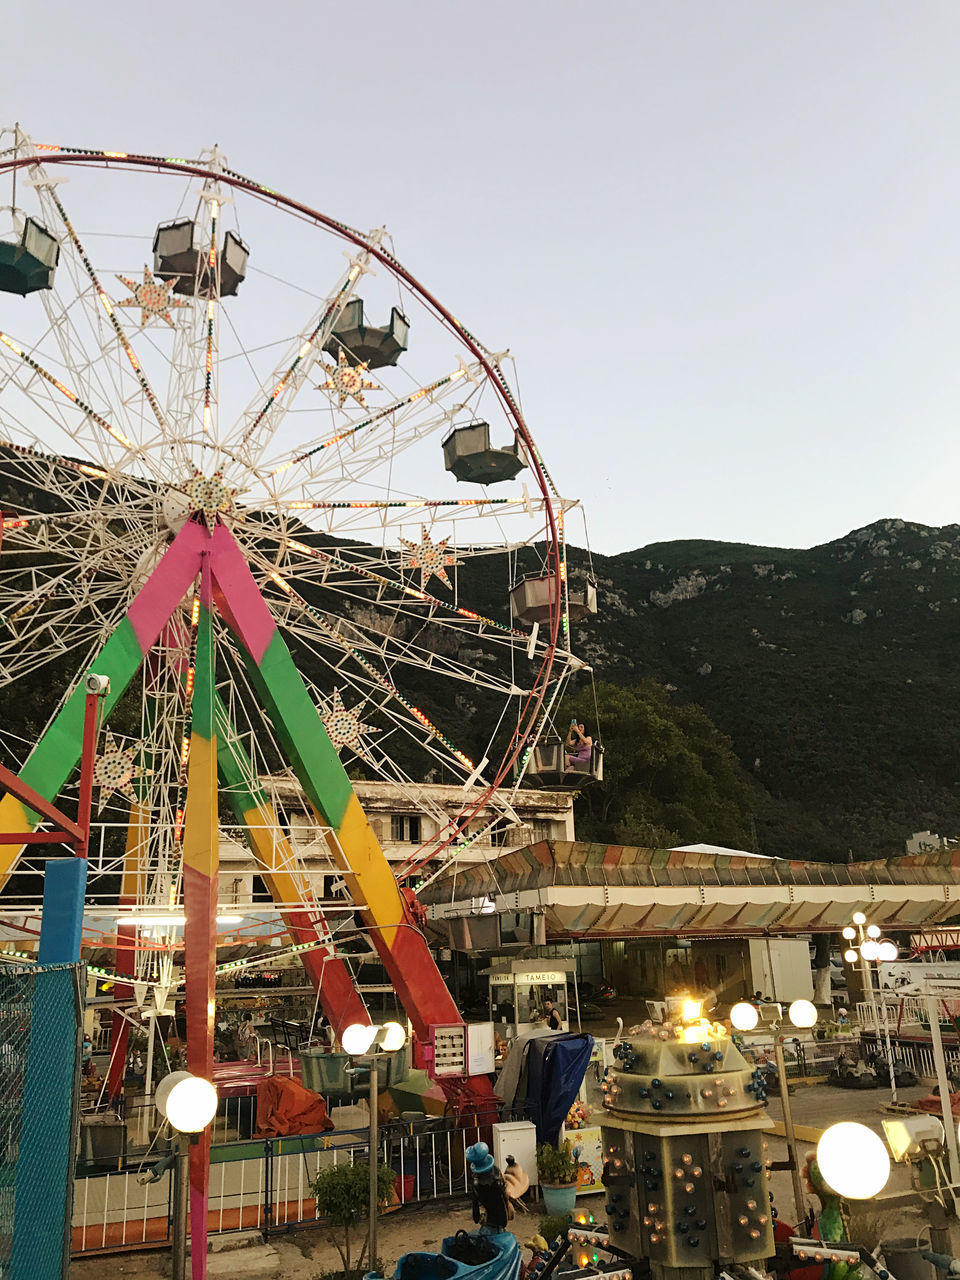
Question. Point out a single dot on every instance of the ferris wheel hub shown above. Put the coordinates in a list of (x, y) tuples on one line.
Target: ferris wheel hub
[(209, 497)]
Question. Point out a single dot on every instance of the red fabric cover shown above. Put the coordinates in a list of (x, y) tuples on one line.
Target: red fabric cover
[(284, 1106), (932, 1103)]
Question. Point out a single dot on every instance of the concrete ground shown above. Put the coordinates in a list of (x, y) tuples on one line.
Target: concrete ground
[(302, 1255)]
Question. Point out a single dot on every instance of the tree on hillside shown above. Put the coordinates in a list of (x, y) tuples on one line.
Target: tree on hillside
[(670, 776)]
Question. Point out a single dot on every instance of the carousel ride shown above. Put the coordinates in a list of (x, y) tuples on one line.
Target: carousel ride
[(267, 510)]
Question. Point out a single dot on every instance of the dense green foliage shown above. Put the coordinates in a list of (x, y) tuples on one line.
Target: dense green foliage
[(833, 671), (669, 776)]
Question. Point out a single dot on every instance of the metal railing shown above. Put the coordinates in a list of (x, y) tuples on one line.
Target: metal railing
[(265, 1183)]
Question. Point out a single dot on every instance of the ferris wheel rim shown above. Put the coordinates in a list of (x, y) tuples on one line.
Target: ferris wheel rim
[(536, 698)]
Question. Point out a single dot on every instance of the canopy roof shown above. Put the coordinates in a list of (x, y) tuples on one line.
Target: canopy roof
[(619, 891)]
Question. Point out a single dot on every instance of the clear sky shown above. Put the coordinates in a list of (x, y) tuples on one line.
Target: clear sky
[(719, 236)]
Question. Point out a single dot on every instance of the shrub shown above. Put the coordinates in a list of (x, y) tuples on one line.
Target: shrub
[(556, 1165), (342, 1192)]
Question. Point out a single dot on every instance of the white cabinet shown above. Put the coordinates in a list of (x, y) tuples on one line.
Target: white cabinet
[(517, 1138)]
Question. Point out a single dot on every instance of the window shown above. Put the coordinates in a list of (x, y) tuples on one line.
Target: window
[(542, 830), (405, 828)]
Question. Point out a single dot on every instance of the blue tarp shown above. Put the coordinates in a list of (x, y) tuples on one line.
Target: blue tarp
[(556, 1066)]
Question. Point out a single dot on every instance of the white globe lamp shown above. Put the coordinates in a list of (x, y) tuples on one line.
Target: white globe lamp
[(189, 1102), (870, 950), (859, 918), (873, 931), (888, 950), (744, 1016), (357, 1039), (802, 1013), (853, 1160), (849, 933), (392, 1037), (850, 955)]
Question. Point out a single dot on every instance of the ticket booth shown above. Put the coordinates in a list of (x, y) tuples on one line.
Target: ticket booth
[(520, 989)]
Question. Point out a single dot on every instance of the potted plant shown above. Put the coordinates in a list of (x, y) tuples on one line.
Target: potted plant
[(557, 1171), (342, 1192)]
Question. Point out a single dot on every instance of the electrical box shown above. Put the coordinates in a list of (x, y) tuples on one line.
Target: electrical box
[(517, 1138)]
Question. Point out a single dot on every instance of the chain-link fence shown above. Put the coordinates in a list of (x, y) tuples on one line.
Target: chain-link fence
[(41, 1012)]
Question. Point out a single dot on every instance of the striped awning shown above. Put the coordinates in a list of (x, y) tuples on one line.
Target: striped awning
[(621, 891)]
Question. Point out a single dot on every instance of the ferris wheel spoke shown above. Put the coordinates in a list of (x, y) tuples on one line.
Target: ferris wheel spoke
[(392, 589), (106, 303), (265, 415), (308, 455), (90, 414), (349, 650)]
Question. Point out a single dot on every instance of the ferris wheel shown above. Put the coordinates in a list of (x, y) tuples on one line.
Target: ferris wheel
[(185, 353)]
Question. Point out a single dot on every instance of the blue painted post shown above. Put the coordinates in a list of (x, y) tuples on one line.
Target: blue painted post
[(48, 1128)]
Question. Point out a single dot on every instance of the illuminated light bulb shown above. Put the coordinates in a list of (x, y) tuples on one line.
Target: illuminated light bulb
[(887, 950), (849, 933), (357, 1038), (743, 1219), (873, 931), (744, 1016), (692, 1009), (392, 1037), (850, 955), (687, 1158), (689, 1188), (651, 1208), (696, 1171), (859, 918), (870, 950), (802, 1013), (853, 1160), (706, 1093), (754, 1234), (189, 1102), (751, 1204)]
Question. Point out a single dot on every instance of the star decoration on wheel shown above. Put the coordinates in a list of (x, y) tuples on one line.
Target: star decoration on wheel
[(209, 497), (431, 558), (347, 380), (344, 728), (153, 297), (116, 769)]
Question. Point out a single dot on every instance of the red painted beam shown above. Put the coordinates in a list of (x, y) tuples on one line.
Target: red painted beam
[(26, 794)]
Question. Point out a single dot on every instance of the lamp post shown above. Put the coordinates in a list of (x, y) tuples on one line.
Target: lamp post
[(365, 1044), (803, 1015), (189, 1103), (872, 949)]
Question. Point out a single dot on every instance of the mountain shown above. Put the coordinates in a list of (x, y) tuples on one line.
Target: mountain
[(835, 671)]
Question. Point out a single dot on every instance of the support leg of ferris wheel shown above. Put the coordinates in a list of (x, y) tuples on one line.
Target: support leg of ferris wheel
[(277, 862), (201, 855), (370, 880)]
